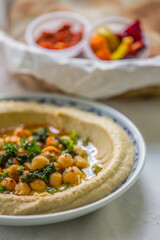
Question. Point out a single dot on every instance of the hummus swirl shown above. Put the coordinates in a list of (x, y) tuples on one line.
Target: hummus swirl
[(115, 155)]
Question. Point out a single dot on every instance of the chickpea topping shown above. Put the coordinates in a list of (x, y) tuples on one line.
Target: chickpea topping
[(38, 185), (56, 168), (39, 162), (51, 141), (72, 175), (1, 142), (65, 160), (12, 172), (55, 179), (28, 165), (80, 151), (22, 188), (12, 139), (21, 132), (80, 162), (9, 183)]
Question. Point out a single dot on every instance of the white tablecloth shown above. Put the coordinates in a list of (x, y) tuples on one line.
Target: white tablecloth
[(133, 216)]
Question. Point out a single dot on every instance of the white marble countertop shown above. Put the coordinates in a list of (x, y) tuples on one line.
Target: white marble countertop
[(133, 216)]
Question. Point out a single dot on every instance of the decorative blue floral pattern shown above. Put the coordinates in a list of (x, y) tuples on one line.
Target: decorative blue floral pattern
[(87, 106)]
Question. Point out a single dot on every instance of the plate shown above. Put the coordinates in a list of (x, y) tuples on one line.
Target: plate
[(101, 110)]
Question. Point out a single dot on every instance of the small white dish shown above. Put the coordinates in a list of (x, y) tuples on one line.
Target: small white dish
[(117, 25), (51, 22), (99, 109)]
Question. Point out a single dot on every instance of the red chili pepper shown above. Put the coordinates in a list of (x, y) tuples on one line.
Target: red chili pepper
[(62, 38)]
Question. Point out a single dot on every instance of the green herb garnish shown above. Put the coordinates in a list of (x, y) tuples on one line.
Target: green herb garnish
[(2, 189), (10, 162), (96, 169), (69, 145), (73, 136), (42, 174), (51, 190), (85, 140), (10, 148), (40, 134), (10, 152), (32, 146), (68, 185), (4, 174), (51, 155), (20, 170)]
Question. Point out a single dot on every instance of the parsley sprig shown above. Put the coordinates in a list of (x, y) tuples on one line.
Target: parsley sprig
[(42, 174)]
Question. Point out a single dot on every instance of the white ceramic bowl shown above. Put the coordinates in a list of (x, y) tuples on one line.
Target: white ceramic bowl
[(117, 25), (99, 109), (51, 22)]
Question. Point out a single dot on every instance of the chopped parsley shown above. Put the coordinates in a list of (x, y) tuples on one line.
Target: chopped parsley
[(51, 155), (69, 145), (10, 148), (10, 152), (85, 140), (42, 174), (4, 174), (96, 169), (2, 189), (32, 146), (20, 170), (10, 162), (73, 136), (40, 134), (51, 190), (68, 185)]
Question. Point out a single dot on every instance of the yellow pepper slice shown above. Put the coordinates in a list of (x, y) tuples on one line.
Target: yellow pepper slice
[(123, 48), (50, 149), (112, 39)]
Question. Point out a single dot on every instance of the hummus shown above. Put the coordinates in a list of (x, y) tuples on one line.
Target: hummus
[(114, 158)]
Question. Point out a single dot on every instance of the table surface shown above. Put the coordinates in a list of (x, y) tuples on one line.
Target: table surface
[(133, 216)]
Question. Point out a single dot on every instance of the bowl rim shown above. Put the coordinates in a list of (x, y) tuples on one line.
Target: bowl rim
[(110, 19), (34, 96), (57, 15)]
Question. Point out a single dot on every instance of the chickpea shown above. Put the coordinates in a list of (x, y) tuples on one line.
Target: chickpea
[(51, 141), (72, 175), (1, 142), (21, 151), (12, 172), (27, 165), (30, 138), (80, 162), (12, 139), (22, 188), (15, 162), (38, 185), (9, 183), (65, 160), (61, 147), (39, 162), (80, 151), (57, 166), (55, 179), (21, 132)]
